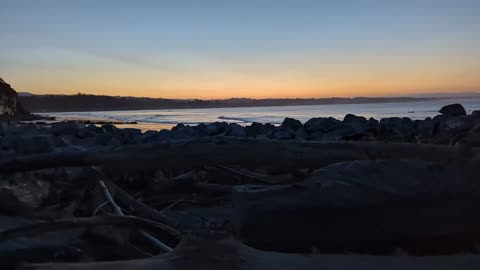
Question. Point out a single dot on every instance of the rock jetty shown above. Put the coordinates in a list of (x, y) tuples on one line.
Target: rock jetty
[(451, 127)]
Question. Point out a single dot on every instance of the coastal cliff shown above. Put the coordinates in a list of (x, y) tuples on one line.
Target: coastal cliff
[(9, 104)]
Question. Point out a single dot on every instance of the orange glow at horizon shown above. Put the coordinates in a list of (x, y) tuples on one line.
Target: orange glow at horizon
[(341, 81)]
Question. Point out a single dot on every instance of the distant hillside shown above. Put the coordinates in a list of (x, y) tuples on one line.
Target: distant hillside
[(82, 102), (447, 95)]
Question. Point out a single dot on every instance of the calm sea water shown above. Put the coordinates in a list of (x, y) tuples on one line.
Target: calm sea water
[(158, 119)]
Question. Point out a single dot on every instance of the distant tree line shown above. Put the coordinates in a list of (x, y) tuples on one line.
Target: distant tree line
[(85, 102)]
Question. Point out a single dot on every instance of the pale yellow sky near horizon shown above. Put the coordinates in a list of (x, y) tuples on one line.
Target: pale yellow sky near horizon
[(301, 83)]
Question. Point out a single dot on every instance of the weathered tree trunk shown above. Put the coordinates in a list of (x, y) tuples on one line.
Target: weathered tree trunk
[(365, 206), (229, 254), (246, 153)]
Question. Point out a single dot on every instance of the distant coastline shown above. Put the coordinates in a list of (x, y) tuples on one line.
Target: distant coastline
[(83, 102)]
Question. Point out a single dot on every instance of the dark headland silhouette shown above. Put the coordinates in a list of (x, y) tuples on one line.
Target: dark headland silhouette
[(9, 104)]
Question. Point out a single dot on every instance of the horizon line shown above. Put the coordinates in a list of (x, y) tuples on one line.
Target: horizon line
[(419, 95)]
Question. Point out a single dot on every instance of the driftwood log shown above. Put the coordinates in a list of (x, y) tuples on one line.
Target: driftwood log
[(246, 153), (229, 254), (365, 206), (68, 224)]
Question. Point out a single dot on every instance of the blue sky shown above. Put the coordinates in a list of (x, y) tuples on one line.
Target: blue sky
[(211, 49)]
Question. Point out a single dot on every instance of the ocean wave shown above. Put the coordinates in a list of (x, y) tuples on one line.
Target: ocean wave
[(239, 119)]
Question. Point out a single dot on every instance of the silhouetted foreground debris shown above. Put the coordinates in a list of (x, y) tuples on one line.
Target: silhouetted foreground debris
[(69, 204), (230, 254)]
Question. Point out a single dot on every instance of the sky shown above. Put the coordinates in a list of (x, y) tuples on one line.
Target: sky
[(249, 48)]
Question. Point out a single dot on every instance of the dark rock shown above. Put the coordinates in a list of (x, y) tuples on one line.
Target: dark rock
[(476, 113), (362, 206), (458, 124), (9, 104), (3, 126), (216, 128), (269, 130), (108, 139), (109, 128), (235, 130), (69, 128), (439, 118), (68, 144), (341, 133), (291, 124), (423, 128), (35, 145), (453, 110), (373, 125), (131, 135), (23, 130), (320, 124), (258, 130), (396, 129), (201, 130), (446, 127), (182, 132), (211, 129), (353, 128), (351, 118), (178, 126), (156, 136), (282, 134), (102, 139), (315, 136), (300, 134), (89, 131)]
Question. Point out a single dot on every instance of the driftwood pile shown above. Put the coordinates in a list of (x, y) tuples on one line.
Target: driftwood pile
[(131, 208)]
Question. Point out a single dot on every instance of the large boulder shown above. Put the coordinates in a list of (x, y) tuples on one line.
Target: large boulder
[(182, 132), (89, 131), (396, 129), (351, 118), (321, 124), (423, 129), (453, 110), (363, 206), (211, 129), (9, 104), (458, 124), (235, 130), (259, 130), (448, 128), (354, 128), (291, 124), (283, 134), (300, 134), (68, 128), (130, 135), (201, 130), (156, 136)]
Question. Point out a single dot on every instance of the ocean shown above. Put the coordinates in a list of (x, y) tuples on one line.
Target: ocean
[(160, 119)]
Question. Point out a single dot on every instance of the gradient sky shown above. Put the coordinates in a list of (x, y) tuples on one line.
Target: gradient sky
[(240, 48)]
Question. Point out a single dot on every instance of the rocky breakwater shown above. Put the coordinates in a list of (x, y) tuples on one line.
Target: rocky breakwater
[(452, 126)]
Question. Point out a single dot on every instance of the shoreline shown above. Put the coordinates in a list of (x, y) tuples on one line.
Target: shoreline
[(166, 119), (452, 126)]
